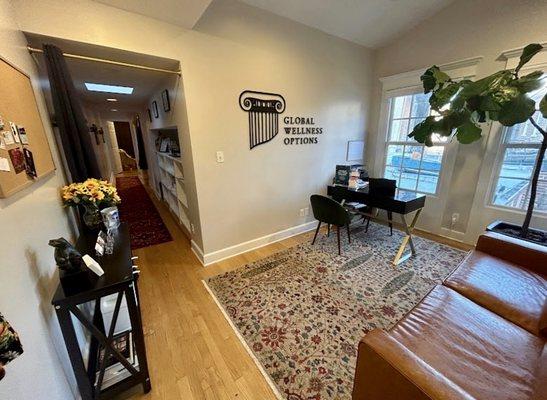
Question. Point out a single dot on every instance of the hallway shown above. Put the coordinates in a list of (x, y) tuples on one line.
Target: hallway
[(192, 351)]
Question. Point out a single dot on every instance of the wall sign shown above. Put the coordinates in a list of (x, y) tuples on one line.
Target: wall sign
[(301, 130), (263, 110)]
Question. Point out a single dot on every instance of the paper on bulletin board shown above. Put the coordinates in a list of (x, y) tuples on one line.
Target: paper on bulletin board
[(355, 150), (4, 164)]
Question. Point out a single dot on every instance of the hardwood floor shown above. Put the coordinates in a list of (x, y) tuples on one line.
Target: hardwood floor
[(193, 353)]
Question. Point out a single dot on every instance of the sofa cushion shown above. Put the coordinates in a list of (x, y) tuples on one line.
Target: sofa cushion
[(479, 351), (511, 291)]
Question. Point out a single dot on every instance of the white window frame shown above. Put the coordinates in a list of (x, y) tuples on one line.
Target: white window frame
[(409, 142), (498, 165), (511, 62)]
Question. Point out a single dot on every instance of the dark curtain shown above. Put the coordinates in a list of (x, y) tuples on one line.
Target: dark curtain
[(69, 117), (143, 164)]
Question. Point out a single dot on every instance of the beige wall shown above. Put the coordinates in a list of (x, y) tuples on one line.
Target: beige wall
[(465, 29), (236, 47), (28, 274)]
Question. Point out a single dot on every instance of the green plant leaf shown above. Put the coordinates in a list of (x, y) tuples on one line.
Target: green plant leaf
[(529, 83), (423, 130), (441, 97), (517, 110), (487, 84), (469, 132), (489, 103), (543, 106), (433, 77), (440, 76), (428, 80), (527, 53)]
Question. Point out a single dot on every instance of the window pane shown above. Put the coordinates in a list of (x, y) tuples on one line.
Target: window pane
[(511, 192), (541, 197), (518, 163), (393, 173), (404, 163), (433, 157), (427, 182), (401, 106), (526, 132), (399, 130), (409, 179), (412, 157), (394, 155), (420, 105)]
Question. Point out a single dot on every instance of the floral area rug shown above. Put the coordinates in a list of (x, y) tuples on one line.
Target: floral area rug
[(146, 228), (303, 311)]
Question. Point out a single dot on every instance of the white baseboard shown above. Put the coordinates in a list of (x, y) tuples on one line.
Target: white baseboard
[(197, 251), (454, 235), (219, 255)]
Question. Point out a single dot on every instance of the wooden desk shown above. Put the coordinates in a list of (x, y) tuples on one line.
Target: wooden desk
[(403, 203), (118, 279)]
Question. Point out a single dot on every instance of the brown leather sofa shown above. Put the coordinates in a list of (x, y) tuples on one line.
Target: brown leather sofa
[(480, 335)]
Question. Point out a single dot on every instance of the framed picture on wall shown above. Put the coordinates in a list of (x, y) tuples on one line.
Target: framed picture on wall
[(165, 100), (155, 109)]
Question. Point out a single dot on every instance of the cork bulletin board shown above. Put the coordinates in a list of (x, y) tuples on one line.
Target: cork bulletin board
[(25, 156)]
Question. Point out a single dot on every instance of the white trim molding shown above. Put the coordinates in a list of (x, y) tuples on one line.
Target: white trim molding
[(516, 52), (231, 251), (456, 69), (197, 251), (512, 58)]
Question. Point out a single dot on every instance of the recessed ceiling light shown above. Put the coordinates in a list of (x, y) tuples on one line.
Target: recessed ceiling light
[(111, 99), (99, 87), (114, 109)]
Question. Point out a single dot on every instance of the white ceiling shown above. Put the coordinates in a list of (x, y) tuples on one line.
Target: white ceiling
[(145, 83), (371, 23), (184, 13)]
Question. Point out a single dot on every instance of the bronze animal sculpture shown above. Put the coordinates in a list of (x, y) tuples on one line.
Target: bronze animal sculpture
[(68, 259)]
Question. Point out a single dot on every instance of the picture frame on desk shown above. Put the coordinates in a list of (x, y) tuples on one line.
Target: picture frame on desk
[(155, 109)]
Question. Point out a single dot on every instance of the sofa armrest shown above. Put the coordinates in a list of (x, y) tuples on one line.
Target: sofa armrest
[(521, 252), (388, 370)]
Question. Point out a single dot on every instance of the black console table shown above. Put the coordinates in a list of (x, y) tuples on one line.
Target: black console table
[(118, 279)]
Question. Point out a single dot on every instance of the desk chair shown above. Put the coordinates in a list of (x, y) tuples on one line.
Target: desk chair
[(383, 187), (331, 212)]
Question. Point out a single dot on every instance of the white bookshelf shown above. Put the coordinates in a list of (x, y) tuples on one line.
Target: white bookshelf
[(171, 178)]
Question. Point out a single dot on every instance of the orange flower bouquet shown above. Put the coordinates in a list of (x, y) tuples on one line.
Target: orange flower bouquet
[(93, 195)]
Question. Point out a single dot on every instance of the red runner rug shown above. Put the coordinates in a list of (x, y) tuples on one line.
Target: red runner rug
[(146, 227)]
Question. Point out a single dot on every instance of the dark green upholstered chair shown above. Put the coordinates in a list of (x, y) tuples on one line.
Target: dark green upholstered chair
[(328, 211)]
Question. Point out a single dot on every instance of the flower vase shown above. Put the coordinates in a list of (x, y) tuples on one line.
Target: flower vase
[(92, 217)]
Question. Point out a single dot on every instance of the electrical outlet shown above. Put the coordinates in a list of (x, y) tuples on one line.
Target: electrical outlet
[(192, 228), (455, 219), (302, 212), (220, 156)]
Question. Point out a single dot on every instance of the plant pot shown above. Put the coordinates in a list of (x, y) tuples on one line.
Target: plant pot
[(536, 236)]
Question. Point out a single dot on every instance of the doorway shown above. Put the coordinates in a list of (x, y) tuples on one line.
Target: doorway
[(126, 146)]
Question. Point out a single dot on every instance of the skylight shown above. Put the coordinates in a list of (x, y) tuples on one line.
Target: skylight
[(99, 87)]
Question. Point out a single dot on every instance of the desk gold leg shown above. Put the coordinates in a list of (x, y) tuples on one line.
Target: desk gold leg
[(400, 257)]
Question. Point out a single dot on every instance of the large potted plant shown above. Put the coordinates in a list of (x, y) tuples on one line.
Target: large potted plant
[(461, 106)]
